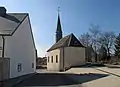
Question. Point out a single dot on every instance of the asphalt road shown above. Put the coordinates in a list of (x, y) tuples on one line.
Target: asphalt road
[(47, 79)]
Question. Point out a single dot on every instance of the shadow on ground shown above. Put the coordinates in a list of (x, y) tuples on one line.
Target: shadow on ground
[(113, 66), (89, 65), (58, 79)]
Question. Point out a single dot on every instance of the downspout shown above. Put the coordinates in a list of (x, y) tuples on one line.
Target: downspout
[(2, 74), (63, 60), (3, 46)]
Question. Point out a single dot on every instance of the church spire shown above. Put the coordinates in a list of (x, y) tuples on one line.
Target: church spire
[(59, 28)]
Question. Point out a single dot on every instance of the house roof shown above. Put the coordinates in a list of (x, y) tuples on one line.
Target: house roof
[(10, 22), (67, 41)]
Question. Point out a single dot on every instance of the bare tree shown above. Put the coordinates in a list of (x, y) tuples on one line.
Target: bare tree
[(95, 35), (102, 53), (117, 46), (97, 39), (85, 39), (107, 40)]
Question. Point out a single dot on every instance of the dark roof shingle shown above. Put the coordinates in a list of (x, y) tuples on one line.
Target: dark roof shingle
[(67, 41)]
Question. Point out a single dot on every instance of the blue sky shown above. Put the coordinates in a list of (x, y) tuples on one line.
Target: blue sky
[(76, 17)]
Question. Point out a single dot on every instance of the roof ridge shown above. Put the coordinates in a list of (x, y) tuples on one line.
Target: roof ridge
[(17, 13)]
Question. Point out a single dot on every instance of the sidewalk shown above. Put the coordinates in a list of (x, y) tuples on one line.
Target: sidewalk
[(12, 82), (106, 81), (112, 66), (114, 71), (46, 71)]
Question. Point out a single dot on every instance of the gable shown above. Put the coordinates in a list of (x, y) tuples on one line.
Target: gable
[(10, 22), (67, 41), (6, 26), (75, 42)]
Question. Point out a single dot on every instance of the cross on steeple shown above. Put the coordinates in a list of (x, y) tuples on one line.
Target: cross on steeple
[(58, 9)]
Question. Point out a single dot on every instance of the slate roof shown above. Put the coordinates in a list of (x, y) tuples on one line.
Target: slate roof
[(67, 41), (59, 25), (10, 22)]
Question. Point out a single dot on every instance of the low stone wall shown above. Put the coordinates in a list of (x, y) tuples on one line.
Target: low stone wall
[(4, 68)]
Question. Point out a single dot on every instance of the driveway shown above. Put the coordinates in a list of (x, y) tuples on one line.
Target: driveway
[(74, 77), (48, 79)]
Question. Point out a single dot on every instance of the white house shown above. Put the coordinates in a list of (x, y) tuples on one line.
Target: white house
[(66, 52), (17, 43)]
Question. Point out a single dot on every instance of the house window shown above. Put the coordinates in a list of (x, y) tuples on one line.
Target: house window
[(19, 67), (56, 58), (52, 59), (32, 65), (48, 59)]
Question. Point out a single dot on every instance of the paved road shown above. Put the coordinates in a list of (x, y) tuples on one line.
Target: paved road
[(107, 81), (48, 79), (74, 77)]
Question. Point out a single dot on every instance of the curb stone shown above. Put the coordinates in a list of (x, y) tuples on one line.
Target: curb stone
[(108, 72)]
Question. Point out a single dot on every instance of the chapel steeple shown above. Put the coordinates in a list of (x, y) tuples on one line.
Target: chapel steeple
[(59, 28)]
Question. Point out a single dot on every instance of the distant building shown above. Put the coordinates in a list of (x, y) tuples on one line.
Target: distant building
[(66, 52), (41, 61), (17, 44)]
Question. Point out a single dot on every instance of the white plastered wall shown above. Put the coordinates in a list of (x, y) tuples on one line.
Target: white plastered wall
[(20, 48), (53, 66)]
